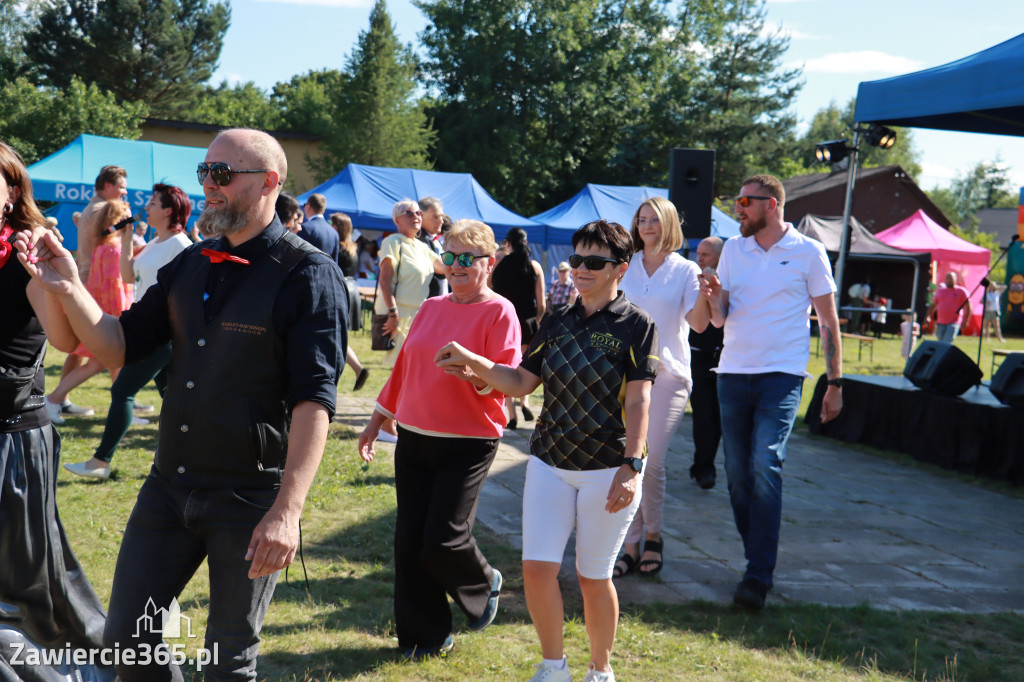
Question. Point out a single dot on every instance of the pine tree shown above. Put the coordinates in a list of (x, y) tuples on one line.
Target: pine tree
[(378, 119), (155, 51)]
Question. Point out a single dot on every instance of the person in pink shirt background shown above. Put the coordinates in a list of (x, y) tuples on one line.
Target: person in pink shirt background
[(448, 434), (947, 308), (113, 294)]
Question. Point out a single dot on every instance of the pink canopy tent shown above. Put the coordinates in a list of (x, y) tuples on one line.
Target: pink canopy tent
[(949, 254)]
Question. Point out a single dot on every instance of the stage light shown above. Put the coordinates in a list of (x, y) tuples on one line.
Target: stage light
[(832, 151), (880, 136)]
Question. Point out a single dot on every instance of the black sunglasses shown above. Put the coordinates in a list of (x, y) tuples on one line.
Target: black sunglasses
[(592, 262), (221, 172), (744, 201), (464, 259)]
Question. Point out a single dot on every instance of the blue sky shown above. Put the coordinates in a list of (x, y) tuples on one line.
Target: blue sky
[(839, 44)]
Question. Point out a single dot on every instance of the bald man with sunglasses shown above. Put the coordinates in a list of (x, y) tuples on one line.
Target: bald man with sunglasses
[(766, 283), (256, 320)]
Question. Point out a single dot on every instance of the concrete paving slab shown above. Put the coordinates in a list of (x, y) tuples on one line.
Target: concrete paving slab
[(856, 529)]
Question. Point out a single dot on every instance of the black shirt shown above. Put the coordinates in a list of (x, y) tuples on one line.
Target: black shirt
[(305, 314), (21, 337), (584, 364)]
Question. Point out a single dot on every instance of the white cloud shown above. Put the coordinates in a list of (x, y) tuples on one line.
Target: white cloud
[(232, 78), (935, 175), (326, 3), (865, 61)]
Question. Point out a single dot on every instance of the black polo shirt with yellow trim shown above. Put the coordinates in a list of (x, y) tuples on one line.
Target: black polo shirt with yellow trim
[(584, 364)]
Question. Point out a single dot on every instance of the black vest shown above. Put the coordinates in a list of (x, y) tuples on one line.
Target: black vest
[(225, 419)]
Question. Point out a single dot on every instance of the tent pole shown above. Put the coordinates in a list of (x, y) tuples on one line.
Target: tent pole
[(844, 238)]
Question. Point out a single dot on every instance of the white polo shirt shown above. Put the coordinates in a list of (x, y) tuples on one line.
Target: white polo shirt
[(767, 325), (667, 297)]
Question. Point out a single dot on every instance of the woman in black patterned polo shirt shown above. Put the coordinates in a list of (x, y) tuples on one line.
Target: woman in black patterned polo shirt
[(595, 359)]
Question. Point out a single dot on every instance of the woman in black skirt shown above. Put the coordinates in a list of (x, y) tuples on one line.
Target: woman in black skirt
[(46, 602)]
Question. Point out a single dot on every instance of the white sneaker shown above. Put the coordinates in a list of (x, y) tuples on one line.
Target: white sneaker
[(595, 675), (545, 673), (143, 409), (387, 437), (53, 410), (139, 421), (82, 470)]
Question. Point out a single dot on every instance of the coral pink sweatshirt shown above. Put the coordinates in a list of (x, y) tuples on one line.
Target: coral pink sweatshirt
[(422, 398)]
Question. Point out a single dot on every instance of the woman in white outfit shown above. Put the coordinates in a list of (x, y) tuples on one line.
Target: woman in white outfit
[(664, 284)]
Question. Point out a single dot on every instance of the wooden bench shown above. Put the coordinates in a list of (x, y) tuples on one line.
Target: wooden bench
[(1002, 354), (861, 340)]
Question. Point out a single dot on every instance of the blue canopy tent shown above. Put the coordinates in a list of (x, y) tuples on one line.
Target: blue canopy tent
[(610, 202), (982, 93), (615, 203), (68, 176), (368, 193)]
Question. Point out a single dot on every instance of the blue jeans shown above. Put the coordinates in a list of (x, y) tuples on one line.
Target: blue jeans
[(947, 332), (130, 380), (170, 531), (758, 411)]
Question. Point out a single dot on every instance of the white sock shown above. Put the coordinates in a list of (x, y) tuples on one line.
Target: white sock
[(558, 664)]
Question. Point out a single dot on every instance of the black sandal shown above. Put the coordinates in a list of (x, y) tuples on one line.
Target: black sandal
[(630, 566), (652, 546), (527, 413)]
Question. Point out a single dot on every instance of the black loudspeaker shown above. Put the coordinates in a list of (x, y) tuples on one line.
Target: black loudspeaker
[(1008, 383), (942, 368), (691, 185)]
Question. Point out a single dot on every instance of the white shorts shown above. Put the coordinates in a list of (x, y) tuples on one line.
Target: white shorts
[(557, 500)]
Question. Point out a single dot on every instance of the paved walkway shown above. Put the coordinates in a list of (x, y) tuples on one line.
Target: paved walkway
[(855, 529)]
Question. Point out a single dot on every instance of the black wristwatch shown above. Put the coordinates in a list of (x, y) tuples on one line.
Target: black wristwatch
[(838, 383), (635, 463)]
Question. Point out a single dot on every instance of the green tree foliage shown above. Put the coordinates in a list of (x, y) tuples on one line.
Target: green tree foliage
[(154, 51), (39, 121), (533, 95), (944, 199), (371, 113), (307, 102), (986, 185), (556, 93), (12, 28), (240, 106), (742, 96), (835, 122)]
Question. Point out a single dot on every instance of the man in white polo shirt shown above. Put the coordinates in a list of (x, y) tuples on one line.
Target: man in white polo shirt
[(767, 281)]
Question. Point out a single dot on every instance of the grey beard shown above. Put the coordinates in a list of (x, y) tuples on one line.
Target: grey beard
[(215, 224)]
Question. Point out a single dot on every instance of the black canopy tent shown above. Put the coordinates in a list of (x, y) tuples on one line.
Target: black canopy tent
[(901, 276)]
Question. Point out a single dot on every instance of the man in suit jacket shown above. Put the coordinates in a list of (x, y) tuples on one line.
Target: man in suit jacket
[(318, 231), (430, 234)]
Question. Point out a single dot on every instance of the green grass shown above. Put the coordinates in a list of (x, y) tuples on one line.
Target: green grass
[(341, 627)]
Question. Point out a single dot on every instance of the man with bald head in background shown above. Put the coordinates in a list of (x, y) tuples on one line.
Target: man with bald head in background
[(256, 317), (705, 348)]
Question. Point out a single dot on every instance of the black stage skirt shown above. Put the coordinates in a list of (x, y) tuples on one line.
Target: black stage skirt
[(46, 602)]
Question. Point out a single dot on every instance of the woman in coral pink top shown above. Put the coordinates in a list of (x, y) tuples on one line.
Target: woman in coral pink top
[(106, 286), (448, 433)]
